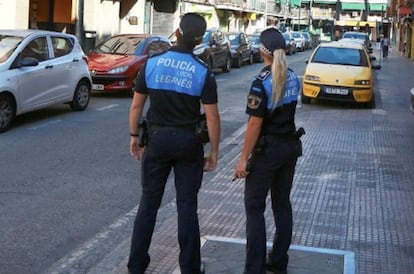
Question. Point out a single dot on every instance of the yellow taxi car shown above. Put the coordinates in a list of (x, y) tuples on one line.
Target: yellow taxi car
[(339, 71)]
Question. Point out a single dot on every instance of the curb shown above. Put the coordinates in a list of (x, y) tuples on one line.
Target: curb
[(412, 100)]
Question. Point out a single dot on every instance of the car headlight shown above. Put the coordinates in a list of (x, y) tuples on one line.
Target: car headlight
[(312, 78), (199, 51), (362, 82), (118, 69)]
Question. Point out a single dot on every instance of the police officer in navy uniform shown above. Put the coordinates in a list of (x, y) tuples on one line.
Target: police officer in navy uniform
[(269, 154), (177, 83)]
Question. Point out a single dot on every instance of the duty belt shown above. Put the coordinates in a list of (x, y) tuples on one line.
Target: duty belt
[(181, 127)]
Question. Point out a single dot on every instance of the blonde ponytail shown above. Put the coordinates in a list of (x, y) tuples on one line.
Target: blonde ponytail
[(279, 72)]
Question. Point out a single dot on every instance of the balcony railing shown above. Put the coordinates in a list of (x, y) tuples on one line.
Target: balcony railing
[(259, 6), (273, 8)]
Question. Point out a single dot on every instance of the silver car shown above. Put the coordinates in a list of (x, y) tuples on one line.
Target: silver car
[(38, 69)]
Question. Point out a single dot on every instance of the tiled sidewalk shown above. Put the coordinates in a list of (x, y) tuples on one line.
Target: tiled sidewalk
[(353, 190)]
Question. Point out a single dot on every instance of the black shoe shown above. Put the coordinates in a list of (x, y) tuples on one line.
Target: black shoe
[(270, 266)]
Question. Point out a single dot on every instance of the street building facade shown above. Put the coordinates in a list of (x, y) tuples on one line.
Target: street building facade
[(94, 20)]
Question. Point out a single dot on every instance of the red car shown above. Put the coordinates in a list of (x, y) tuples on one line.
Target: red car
[(115, 63)]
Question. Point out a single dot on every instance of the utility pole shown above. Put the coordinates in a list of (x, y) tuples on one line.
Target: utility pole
[(79, 23), (310, 15), (300, 7)]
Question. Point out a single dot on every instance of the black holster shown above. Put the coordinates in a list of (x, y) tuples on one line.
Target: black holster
[(143, 133), (202, 130)]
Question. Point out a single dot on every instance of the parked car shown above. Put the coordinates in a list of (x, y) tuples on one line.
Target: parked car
[(39, 69), (360, 42), (360, 36), (254, 40), (339, 71), (115, 62), (290, 43), (308, 39), (241, 52), (299, 39), (214, 50)]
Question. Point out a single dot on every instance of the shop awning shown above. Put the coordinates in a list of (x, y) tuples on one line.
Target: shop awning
[(353, 6), (378, 7)]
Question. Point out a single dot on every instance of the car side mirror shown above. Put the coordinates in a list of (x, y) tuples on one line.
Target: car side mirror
[(306, 61), (25, 62), (376, 67)]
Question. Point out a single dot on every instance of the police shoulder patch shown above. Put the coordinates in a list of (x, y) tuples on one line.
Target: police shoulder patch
[(263, 75), (253, 101)]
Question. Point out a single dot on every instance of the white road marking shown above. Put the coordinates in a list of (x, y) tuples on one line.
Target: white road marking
[(76, 255), (43, 125), (107, 107)]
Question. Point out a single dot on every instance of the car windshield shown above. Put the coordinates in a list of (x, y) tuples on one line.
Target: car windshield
[(206, 37), (255, 39), (234, 39), (7, 45), (360, 36), (340, 56), (121, 45)]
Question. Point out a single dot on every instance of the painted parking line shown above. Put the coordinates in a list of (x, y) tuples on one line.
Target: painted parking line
[(44, 125), (107, 107)]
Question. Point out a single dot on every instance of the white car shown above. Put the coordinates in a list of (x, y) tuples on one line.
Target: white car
[(38, 69), (299, 39)]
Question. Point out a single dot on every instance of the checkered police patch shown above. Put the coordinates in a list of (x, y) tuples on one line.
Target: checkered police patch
[(253, 101)]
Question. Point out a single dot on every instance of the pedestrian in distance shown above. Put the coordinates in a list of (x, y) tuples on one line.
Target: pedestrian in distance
[(385, 44), (177, 84), (268, 156)]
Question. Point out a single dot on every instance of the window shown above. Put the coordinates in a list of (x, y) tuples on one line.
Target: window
[(37, 49), (157, 46), (7, 45), (340, 56), (61, 46)]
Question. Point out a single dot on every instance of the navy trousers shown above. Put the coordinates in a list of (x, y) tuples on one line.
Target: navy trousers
[(271, 169), (182, 151)]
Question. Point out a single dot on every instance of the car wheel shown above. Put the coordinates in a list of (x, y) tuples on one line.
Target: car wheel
[(304, 99), (238, 62), (227, 66), (7, 112), (81, 96), (369, 105), (250, 59)]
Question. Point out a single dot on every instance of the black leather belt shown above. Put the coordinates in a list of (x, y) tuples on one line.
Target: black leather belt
[(163, 127), (280, 138)]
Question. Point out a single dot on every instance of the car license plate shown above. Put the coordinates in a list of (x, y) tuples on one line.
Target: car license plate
[(339, 91), (97, 87)]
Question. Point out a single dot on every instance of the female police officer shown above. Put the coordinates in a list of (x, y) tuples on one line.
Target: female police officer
[(268, 157), (176, 81)]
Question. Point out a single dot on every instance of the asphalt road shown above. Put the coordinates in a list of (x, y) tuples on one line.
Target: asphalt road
[(67, 181)]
